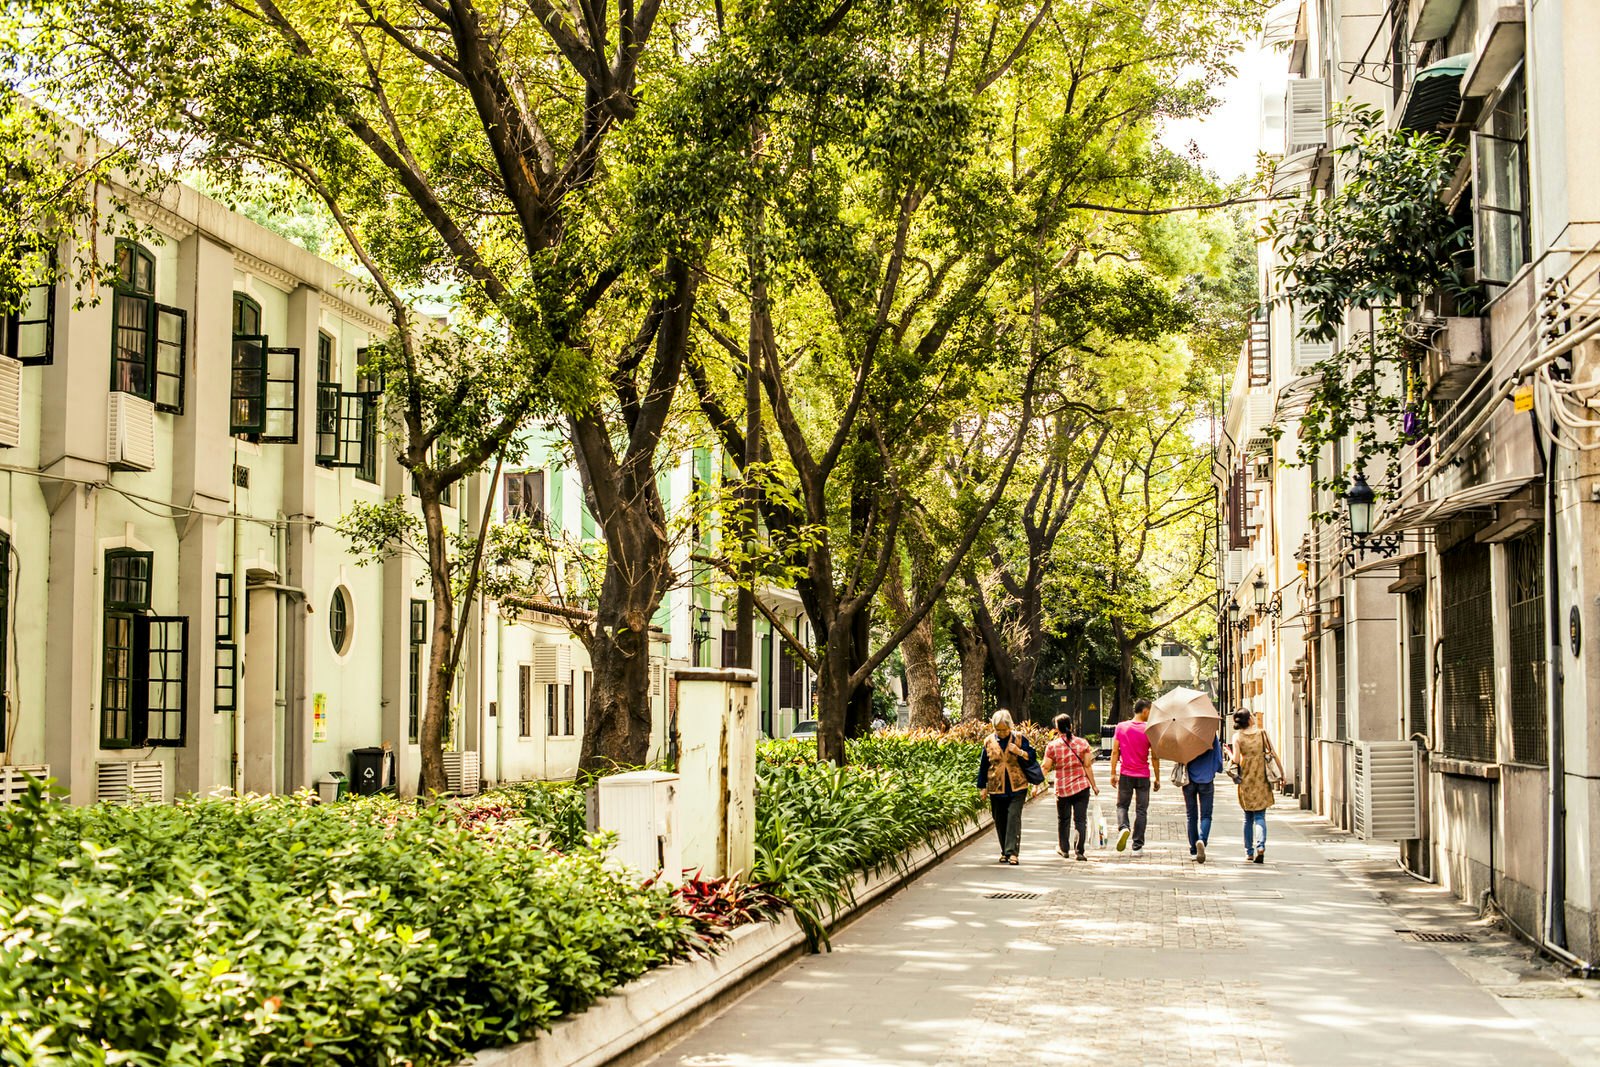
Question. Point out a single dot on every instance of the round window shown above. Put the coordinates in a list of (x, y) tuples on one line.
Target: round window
[(339, 620)]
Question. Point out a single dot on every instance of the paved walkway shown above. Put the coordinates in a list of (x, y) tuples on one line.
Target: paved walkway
[(1151, 959)]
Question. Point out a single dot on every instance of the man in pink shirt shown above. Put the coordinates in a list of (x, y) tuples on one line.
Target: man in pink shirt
[(1135, 771)]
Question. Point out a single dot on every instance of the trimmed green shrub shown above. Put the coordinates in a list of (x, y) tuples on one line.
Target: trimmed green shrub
[(819, 826), (274, 931)]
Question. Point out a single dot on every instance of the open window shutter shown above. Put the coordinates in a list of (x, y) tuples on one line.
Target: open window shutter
[(281, 421), (169, 357), (161, 683), (513, 509), (533, 495), (328, 424), (248, 413), (132, 344), (354, 411), (30, 333)]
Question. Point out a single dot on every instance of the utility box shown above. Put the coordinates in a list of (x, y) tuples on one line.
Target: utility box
[(640, 807), (717, 726)]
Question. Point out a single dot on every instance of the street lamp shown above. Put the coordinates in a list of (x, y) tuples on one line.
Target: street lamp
[(702, 634), (1360, 499), (1233, 612), (1259, 588)]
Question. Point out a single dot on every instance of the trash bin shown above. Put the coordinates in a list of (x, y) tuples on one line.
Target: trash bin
[(332, 787), (367, 771)]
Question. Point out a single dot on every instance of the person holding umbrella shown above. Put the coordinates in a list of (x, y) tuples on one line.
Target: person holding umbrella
[(1183, 727)]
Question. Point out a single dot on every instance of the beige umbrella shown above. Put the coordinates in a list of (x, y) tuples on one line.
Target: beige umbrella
[(1182, 725)]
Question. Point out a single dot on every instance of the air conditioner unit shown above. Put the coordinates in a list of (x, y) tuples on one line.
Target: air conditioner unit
[(131, 433), (1385, 784), (1305, 115), (1234, 567), (14, 781), (128, 781), (1306, 354), (10, 402), (552, 664), (461, 773), (1456, 355)]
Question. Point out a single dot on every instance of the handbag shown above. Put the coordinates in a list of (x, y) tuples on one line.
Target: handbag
[(1097, 819), (1033, 772), (1180, 774)]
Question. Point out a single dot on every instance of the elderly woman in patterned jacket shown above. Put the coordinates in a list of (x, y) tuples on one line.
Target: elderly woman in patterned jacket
[(1003, 778)]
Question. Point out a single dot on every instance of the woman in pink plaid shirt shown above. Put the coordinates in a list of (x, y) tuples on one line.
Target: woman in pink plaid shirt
[(1073, 763)]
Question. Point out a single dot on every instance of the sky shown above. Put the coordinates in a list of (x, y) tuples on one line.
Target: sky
[(1230, 136)]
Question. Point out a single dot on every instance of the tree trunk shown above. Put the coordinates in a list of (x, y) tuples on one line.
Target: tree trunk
[(441, 673), (922, 667), (1125, 650), (974, 661), (833, 695)]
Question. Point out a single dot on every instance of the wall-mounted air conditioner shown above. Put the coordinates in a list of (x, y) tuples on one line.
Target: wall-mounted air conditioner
[(552, 664), (1234, 565), (128, 781), (131, 433), (1385, 784), (461, 773), (1305, 115), (1306, 354), (1456, 354), (10, 402), (14, 781)]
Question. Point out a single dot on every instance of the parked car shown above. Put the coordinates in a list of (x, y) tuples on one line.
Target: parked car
[(805, 729)]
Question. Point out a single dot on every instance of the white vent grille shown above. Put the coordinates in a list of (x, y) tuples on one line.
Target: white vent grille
[(461, 773), (10, 402), (1234, 567), (14, 781), (1385, 787), (658, 676), (127, 781), (1305, 115), (131, 433), (1257, 421), (1307, 354), (552, 664)]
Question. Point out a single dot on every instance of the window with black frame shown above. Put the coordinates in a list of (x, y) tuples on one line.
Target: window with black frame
[(1500, 186), (144, 660), (265, 386), (27, 329), (417, 664), (149, 341), (225, 682)]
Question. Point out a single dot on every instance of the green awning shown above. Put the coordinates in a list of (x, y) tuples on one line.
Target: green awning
[(1435, 94)]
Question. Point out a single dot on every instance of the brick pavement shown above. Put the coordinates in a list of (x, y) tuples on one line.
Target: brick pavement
[(1152, 959)]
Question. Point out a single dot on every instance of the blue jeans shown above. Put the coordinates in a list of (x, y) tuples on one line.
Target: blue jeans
[(1253, 821), (1197, 798)]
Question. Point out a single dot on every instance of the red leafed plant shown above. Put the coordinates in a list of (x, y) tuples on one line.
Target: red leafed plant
[(714, 906)]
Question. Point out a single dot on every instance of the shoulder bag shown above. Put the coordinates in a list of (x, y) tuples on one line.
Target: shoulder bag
[(1180, 774)]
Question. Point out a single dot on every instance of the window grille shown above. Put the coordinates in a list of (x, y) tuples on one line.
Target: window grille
[(1341, 692), (1529, 648), (1466, 612), (1260, 353)]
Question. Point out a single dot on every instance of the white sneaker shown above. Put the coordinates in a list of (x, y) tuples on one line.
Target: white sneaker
[(1122, 839), (1199, 851)]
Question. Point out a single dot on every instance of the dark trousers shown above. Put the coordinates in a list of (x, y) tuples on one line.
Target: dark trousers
[(1129, 791), (1072, 811), (1197, 798), (1007, 809)]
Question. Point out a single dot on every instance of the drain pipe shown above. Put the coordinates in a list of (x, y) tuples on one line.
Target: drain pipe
[(1555, 686)]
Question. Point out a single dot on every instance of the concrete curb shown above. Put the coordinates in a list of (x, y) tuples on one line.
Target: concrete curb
[(648, 1013)]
